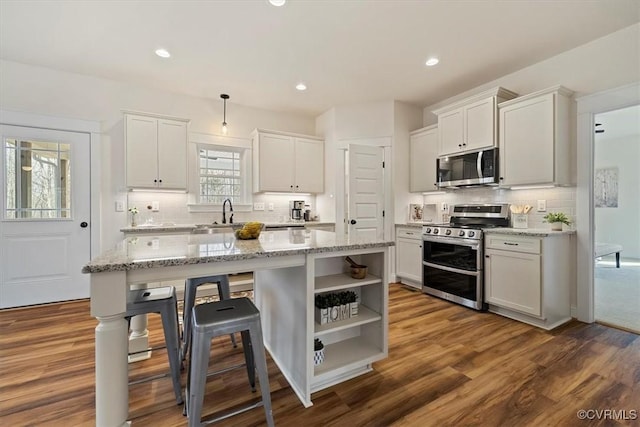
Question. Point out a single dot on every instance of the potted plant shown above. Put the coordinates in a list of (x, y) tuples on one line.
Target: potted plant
[(556, 220), (318, 351), (322, 309), (350, 298)]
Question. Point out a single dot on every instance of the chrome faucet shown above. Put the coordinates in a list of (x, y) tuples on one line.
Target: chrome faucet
[(224, 215)]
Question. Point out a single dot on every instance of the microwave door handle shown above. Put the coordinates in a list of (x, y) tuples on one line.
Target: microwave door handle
[(479, 164)]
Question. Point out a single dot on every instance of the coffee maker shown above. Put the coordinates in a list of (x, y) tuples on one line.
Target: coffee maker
[(295, 209)]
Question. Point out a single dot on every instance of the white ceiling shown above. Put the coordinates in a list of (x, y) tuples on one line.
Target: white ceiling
[(345, 51)]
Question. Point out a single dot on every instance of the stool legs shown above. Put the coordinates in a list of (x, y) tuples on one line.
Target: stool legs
[(172, 338), (197, 378), (164, 302), (261, 365), (247, 347)]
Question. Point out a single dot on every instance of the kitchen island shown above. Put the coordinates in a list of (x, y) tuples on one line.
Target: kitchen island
[(290, 268)]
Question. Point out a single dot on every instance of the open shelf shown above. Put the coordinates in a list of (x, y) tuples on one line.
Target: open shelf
[(365, 315), (335, 282), (344, 353)]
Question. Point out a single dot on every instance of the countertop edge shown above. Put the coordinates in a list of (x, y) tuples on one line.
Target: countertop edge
[(128, 266), (188, 227), (540, 232)]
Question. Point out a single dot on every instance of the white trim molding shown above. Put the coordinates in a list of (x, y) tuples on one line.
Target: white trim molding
[(587, 107)]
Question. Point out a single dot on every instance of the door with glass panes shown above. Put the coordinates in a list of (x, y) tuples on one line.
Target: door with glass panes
[(45, 223)]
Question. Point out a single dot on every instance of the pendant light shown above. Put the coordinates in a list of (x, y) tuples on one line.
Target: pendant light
[(224, 97)]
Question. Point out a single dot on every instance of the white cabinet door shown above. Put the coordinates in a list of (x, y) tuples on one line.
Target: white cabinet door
[(156, 152), (409, 260), (527, 142), (141, 148), (480, 123), (287, 163), (513, 280), (423, 152), (451, 131), (172, 154), (309, 166), (276, 163)]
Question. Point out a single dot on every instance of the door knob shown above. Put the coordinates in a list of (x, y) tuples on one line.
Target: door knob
[(84, 224), (353, 221)]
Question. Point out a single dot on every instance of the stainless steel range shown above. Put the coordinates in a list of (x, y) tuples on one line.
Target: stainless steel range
[(453, 261)]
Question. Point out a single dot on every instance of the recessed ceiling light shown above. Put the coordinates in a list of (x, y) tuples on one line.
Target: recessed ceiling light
[(301, 86), (432, 61), (163, 53), (278, 2)]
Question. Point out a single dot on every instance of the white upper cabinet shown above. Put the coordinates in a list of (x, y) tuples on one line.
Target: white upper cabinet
[(470, 124), (287, 162), (423, 152), (534, 139), (156, 152)]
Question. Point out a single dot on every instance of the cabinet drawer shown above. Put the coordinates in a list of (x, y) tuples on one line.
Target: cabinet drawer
[(529, 245), (409, 233)]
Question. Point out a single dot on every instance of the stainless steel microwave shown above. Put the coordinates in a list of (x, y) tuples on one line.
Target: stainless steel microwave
[(462, 170)]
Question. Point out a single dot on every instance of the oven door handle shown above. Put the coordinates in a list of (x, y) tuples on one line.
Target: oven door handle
[(473, 244), (451, 269)]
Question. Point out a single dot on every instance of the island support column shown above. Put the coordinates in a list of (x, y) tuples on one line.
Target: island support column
[(108, 306)]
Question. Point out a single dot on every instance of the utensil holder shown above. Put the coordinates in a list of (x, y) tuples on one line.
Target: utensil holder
[(519, 220)]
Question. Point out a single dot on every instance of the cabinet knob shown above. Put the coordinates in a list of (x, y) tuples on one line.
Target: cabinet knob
[(464, 144), (296, 186), (501, 178), (159, 180), (486, 256), (353, 222), (459, 145), (155, 180), (292, 187)]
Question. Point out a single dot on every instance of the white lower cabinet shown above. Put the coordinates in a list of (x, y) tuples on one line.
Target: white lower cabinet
[(353, 344), (528, 278), (409, 256)]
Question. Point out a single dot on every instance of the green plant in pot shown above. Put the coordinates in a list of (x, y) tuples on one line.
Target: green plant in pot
[(318, 351), (556, 220)]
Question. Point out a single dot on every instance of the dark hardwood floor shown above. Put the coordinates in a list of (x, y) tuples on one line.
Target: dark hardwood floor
[(447, 366)]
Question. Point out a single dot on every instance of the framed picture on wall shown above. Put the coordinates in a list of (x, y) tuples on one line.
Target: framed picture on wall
[(415, 213), (606, 188)]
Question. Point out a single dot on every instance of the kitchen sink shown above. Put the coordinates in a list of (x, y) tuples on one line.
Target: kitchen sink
[(211, 229)]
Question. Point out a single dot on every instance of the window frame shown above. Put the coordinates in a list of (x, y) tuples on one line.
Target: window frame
[(198, 141)]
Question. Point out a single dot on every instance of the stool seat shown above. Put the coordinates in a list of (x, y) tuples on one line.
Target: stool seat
[(162, 301), (220, 318)]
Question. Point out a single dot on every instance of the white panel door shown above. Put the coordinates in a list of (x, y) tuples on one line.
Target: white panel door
[(45, 223), (366, 191)]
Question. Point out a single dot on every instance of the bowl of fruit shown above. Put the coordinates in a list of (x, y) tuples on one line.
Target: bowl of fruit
[(248, 230)]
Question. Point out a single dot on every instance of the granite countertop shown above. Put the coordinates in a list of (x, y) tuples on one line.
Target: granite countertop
[(139, 252), (540, 232), (414, 224), (168, 227)]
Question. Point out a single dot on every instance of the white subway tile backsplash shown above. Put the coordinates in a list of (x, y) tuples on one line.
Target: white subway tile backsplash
[(173, 208), (560, 199)]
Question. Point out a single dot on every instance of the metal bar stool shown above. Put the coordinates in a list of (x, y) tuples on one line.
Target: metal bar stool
[(190, 290), (220, 318), (162, 301)]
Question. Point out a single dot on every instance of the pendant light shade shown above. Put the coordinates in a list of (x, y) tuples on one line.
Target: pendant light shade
[(224, 97)]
